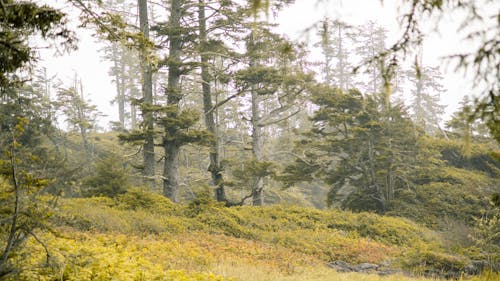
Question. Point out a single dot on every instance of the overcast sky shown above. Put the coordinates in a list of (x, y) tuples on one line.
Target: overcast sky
[(293, 21)]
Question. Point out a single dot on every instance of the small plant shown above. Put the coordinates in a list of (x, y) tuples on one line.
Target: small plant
[(110, 178), (486, 236)]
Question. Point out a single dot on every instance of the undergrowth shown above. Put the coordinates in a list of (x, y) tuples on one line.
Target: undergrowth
[(143, 236)]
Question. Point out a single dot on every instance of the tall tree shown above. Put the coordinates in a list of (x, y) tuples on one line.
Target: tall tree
[(175, 121), (214, 168), (147, 94), (334, 42), (173, 92), (358, 146), (426, 110), (19, 218), (370, 44), (274, 88), (80, 114)]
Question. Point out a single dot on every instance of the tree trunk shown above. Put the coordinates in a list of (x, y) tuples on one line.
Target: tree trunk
[(171, 172), (147, 93), (120, 84), (173, 92), (214, 168), (341, 57), (82, 118), (133, 110), (258, 188), (118, 73)]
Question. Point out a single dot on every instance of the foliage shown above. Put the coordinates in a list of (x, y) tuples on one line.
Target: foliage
[(22, 212), (327, 235), (436, 264), (109, 178), (361, 147), (18, 21), (486, 236)]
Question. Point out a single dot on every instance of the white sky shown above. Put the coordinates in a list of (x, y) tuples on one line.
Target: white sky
[(294, 20)]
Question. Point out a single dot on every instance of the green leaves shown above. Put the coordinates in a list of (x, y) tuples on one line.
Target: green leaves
[(20, 20)]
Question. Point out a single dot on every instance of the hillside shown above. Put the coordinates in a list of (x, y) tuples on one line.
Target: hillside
[(143, 236)]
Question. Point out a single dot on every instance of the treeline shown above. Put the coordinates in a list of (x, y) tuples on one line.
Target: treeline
[(221, 92), (224, 101)]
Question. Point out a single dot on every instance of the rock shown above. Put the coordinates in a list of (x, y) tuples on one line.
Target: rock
[(340, 266), (366, 267)]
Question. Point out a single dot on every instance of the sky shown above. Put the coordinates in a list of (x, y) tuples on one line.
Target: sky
[(98, 86)]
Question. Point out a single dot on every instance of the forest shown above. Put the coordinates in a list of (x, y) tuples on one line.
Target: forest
[(237, 153)]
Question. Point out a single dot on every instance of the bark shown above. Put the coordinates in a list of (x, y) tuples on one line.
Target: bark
[(119, 81), (214, 168), (342, 84), (133, 113), (81, 117), (173, 92), (390, 175), (171, 173), (258, 189), (147, 93)]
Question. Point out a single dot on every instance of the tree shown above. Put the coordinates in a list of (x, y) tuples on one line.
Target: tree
[(117, 53), (426, 96), (274, 86), (358, 146), (371, 44), (80, 114), (206, 46), (110, 178), (147, 94), (177, 123), (18, 21), (483, 60), (333, 43), (22, 211), (20, 215)]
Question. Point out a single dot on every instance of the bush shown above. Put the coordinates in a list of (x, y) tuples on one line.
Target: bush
[(136, 199), (110, 178), (436, 264)]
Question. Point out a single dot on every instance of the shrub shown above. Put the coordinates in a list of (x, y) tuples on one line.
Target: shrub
[(435, 263), (110, 178), (135, 199)]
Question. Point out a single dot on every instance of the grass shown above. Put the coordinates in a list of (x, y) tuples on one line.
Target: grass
[(143, 236)]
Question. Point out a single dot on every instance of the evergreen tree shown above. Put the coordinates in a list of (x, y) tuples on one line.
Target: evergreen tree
[(225, 22), (274, 88), (370, 43), (22, 211), (81, 115), (426, 110), (18, 21), (334, 42), (147, 95), (358, 146), (177, 123)]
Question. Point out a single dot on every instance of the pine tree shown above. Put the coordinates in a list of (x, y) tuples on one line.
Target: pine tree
[(22, 211), (147, 95), (226, 21), (370, 44), (335, 38), (426, 110), (81, 115), (274, 89), (358, 146)]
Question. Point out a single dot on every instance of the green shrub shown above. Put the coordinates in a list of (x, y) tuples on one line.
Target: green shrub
[(135, 199), (435, 263), (110, 178)]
